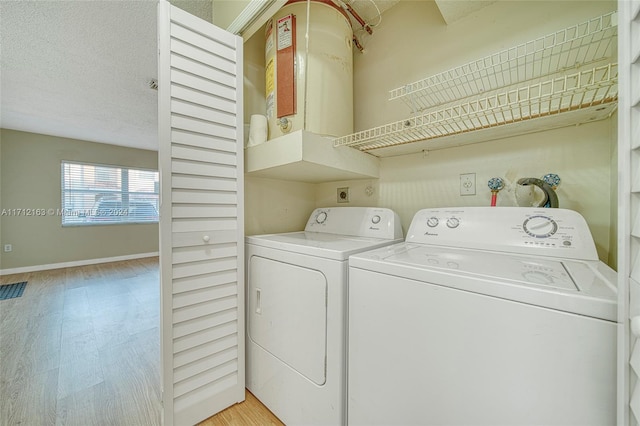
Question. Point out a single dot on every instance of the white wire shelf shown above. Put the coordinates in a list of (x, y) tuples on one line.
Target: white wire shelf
[(584, 90), (564, 51)]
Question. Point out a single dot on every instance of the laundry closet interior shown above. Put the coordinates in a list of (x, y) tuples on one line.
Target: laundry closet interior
[(414, 41), (448, 98)]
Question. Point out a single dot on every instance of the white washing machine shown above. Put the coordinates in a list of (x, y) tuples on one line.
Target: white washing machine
[(484, 316), (296, 301)]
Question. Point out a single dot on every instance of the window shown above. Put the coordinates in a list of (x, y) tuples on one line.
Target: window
[(94, 194)]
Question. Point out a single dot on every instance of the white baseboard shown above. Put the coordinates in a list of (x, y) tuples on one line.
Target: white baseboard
[(76, 263)]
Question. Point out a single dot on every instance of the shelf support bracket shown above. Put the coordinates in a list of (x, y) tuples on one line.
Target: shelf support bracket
[(412, 104)]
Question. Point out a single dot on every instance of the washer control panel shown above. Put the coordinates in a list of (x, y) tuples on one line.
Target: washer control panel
[(356, 221), (547, 232)]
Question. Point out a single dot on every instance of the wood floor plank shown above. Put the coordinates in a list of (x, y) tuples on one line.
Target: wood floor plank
[(251, 412), (79, 364), (14, 278), (74, 277), (133, 377), (91, 406), (91, 272), (35, 351), (29, 400)]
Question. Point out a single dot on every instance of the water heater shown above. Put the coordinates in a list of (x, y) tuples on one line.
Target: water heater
[(309, 69)]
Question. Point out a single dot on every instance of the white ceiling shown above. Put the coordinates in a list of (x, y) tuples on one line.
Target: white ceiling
[(80, 69)]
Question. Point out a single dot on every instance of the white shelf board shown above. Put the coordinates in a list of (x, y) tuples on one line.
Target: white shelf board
[(306, 157), (528, 126)]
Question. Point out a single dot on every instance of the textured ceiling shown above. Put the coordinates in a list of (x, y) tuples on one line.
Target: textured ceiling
[(79, 69), (368, 10)]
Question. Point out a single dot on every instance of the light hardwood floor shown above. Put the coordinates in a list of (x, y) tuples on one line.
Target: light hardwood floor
[(81, 347), (250, 412)]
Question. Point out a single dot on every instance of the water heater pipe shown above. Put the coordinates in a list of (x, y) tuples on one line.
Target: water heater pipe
[(356, 42), (359, 19)]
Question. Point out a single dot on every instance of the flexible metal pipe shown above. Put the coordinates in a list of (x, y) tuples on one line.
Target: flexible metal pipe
[(551, 199)]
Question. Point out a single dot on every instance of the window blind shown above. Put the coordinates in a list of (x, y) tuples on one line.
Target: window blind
[(95, 194)]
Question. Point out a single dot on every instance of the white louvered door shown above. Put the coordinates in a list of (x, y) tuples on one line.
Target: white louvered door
[(201, 216), (629, 213)]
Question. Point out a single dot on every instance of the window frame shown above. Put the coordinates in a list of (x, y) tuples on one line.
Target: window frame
[(66, 212)]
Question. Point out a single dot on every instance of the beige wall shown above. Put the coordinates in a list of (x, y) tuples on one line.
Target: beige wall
[(30, 178), (580, 155), (273, 206), (226, 11)]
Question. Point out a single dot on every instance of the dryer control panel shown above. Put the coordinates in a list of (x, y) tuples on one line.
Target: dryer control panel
[(371, 222), (527, 230)]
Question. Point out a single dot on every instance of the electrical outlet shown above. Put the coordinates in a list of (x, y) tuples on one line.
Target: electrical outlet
[(343, 195), (8, 248), (468, 184)]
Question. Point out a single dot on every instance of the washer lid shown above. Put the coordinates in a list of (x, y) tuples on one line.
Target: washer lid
[(580, 287), (329, 246), (531, 271)]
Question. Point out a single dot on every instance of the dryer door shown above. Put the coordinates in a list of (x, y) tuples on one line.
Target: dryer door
[(287, 314)]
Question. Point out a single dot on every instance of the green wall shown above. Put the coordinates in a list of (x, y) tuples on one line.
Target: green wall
[(30, 179)]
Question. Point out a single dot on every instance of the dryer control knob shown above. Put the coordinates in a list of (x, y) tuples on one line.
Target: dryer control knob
[(375, 219), (321, 217), (453, 222)]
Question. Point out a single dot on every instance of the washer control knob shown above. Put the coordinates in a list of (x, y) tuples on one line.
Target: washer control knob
[(375, 219), (453, 222), (432, 222), (539, 226), (321, 217)]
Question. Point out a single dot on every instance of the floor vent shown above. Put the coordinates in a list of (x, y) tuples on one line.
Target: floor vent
[(11, 291)]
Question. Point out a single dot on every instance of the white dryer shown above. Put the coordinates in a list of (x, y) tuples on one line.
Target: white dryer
[(484, 316), (296, 301)]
